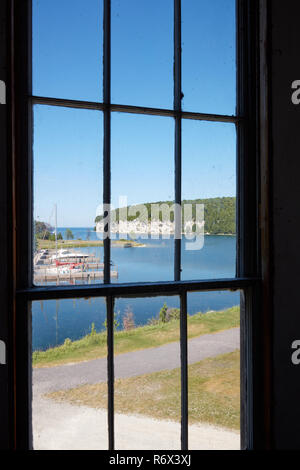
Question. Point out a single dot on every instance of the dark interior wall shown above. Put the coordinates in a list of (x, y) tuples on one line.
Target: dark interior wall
[(285, 159), (285, 140), (5, 392)]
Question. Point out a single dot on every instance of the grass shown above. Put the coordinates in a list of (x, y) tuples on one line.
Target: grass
[(214, 393), (49, 244), (94, 345)]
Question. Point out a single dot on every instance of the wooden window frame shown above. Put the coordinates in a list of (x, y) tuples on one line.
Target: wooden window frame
[(252, 233)]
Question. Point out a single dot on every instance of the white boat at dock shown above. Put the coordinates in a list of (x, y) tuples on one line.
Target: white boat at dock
[(64, 254), (53, 265), (69, 266)]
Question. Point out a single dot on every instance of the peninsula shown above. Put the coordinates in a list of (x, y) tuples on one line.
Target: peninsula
[(219, 216)]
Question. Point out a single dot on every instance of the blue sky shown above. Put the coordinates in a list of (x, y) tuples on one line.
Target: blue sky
[(67, 63)]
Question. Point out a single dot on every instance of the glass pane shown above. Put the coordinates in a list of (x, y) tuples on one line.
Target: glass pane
[(67, 154), (69, 351), (214, 370), (209, 56), (67, 49), (142, 53), (142, 174), (209, 193), (147, 372)]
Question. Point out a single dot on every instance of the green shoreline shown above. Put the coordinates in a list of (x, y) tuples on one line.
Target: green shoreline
[(94, 345), (48, 244)]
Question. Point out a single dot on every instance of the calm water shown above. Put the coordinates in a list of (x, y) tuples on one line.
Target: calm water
[(53, 321)]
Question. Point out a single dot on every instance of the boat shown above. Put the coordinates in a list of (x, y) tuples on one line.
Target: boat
[(64, 254)]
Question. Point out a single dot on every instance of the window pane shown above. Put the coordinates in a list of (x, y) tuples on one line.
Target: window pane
[(142, 53), (67, 49), (209, 191), (147, 372), (214, 370), (209, 56), (69, 351), (142, 173), (67, 155)]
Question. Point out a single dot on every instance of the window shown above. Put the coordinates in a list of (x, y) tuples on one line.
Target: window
[(68, 104)]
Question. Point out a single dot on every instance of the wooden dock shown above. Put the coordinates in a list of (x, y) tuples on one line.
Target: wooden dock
[(46, 261), (88, 269), (74, 275), (43, 267)]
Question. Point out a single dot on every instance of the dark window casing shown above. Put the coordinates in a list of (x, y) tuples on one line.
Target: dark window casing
[(252, 239)]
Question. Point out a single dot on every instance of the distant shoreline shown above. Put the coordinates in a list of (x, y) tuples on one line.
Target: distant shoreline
[(220, 234), (49, 244)]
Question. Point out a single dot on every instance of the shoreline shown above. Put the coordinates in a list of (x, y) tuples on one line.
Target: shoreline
[(49, 244), (93, 344)]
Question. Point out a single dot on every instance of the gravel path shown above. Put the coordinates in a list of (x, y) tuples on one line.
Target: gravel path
[(134, 363), (61, 426), (68, 427)]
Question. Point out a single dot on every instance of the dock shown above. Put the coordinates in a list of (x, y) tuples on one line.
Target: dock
[(88, 265), (47, 260), (74, 275), (69, 269)]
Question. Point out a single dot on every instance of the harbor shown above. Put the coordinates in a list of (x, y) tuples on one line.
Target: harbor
[(68, 266)]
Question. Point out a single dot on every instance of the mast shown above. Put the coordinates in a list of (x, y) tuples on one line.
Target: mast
[(55, 207)]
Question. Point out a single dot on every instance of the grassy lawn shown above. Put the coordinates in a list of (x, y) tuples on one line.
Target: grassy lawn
[(214, 393), (94, 346), (49, 244)]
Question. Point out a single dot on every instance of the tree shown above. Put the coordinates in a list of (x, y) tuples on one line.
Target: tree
[(163, 313), (173, 314), (35, 243), (116, 323), (46, 235), (219, 214), (128, 319), (69, 234), (42, 229), (51, 237)]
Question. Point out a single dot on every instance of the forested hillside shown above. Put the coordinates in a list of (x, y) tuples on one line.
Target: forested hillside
[(219, 213)]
